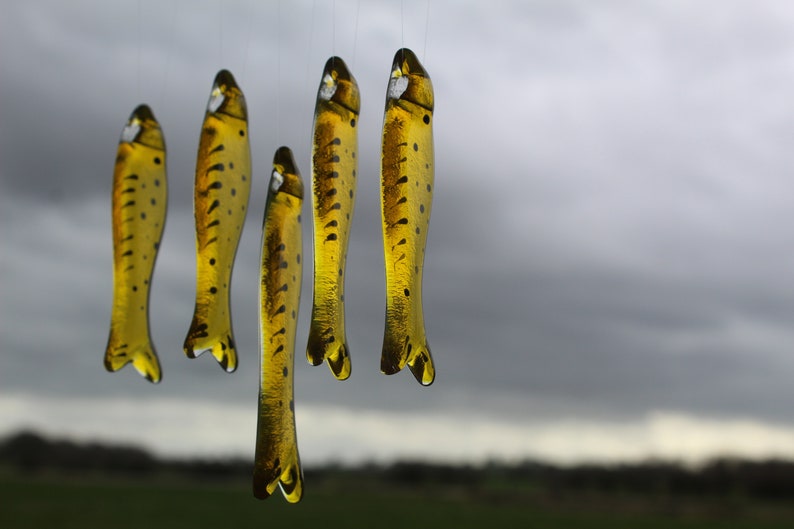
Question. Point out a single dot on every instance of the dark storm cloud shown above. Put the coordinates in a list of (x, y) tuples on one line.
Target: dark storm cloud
[(609, 227)]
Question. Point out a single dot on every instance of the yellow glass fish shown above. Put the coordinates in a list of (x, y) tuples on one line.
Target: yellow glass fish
[(223, 184), (139, 206), (406, 197), (276, 461), (334, 166)]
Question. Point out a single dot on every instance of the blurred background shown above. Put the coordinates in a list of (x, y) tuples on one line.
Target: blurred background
[(610, 263)]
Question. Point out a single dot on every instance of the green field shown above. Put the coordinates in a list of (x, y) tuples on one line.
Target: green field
[(57, 502)]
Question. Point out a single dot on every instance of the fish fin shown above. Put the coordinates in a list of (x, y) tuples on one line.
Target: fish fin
[(333, 349), (421, 365), (219, 340), (394, 354), (142, 356)]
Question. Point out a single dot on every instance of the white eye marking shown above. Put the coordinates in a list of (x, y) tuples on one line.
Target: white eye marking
[(216, 99), (397, 85), (328, 87), (276, 181), (131, 131)]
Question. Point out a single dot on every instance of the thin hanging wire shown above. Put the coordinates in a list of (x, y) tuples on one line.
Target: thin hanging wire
[(140, 44), (169, 52), (355, 33), (427, 27), (247, 46)]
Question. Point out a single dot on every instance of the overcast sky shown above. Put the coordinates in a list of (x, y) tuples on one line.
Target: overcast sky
[(610, 261)]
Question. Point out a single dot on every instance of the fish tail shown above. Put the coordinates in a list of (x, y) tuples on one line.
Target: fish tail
[(217, 338), (142, 355), (331, 346), (290, 480), (421, 365)]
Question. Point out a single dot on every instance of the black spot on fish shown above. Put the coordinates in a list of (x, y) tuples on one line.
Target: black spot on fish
[(234, 191), (335, 158), (340, 272), (282, 309), (299, 258), (293, 314), (427, 166), (332, 224), (145, 281), (280, 403), (429, 187), (330, 339), (402, 241), (342, 297), (215, 204), (330, 192), (212, 261), (134, 288), (223, 346), (283, 288), (143, 214), (353, 122), (282, 330), (128, 190), (201, 331), (403, 179), (353, 154), (331, 237), (421, 208), (157, 160), (285, 371), (129, 203), (336, 141), (280, 247), (131, 177), (157, 182), (213, 290), (230, 341), (145, 257), (241, 133), (426, 119), (418, 230), (416, 147), (347, 216), (153, 202), (299, 219), (354, 173), (218, 148), (244, 178), (283, 264), (416, 269), (408, 349), (402, 221), (215, 222), (231, 165), (157, 245), (333, 174), (291, 405), (402, 200), (337, 206), (215, 185), (278, 350), (407, 292), (351, 193)]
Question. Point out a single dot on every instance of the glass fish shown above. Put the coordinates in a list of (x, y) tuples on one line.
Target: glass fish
[(139, 206), (406, 197), (276, 461), (334, 166), (222, 187)]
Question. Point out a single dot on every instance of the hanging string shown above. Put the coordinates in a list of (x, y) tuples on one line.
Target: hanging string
[(220, 32), (402, 24), (247, 46), (333, 28), (140, 44), (278, 71), (427, 26), (355, 33), (169, 53)]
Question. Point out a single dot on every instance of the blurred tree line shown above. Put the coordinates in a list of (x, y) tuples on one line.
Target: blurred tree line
[(31, 453)]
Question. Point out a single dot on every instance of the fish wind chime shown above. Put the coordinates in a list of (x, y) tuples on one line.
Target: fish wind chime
[(221, 193)]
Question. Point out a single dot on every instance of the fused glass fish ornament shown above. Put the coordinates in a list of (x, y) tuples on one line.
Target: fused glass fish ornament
[(334, 166), (406, 197), (222, 188), (276, 460), (138, 216)]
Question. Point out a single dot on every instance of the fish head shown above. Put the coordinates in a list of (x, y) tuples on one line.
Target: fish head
[(409, 80), (339, 85), (285, 177), (143, 128), (226, 97)]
